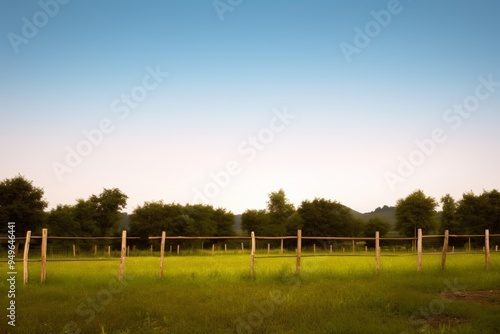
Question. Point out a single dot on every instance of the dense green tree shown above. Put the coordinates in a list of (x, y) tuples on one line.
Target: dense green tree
[(373, 225), (100, 215), (492, 199), (61, 221), (152, 218), (356, 227), (294, 223), (279, 209), (22, 203), (448, 216), (414, 212), (224, 221), (255, 221), (376, 224), (107, 207), (474, 213), (176, 220), (322, 217)]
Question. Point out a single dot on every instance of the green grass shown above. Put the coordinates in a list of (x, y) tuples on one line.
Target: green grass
[(205, 294)]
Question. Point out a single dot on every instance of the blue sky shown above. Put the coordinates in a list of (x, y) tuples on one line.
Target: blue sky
[(68, 67)]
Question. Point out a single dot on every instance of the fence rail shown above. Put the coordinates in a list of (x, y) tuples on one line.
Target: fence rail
[(124, 251)]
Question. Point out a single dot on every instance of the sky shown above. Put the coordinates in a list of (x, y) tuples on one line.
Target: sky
[(223, 102)]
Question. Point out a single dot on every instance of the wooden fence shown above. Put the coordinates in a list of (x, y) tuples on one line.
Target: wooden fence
[(253, 238)]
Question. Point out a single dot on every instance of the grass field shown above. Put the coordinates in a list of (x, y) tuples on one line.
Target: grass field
[(205, 294)]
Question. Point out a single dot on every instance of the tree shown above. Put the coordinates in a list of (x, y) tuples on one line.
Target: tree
[(176, 220), (224, 222), (22, 203), (98, 216), (414, 212), (152, 218), (61, 221), (107, 208), (294, 223), (322, 217), (376, 224), (279, 209), (474, 213), (356, 227), (255, 221), (373, 225), (492, 200), (448, 216)]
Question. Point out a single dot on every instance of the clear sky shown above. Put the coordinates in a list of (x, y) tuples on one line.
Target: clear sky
[(223, 102)]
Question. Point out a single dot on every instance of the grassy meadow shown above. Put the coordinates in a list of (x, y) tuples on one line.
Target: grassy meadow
[(215, 294)]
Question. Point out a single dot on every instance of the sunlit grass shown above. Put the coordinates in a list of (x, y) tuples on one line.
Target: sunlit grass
[(215, 294)]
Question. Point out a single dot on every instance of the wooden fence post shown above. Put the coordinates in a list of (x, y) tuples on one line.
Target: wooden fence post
[(178, 249), (487, 248), (314, 248), (213, 249), (353, 246), (419, 250), (225, 248), (128, 250), (26, 256), (123, 254), (109, 251), (44, 256), (74, 250), (268, 248), (252, 255), (242, 248), (445, 248), (331, 249), (95, 250), (162, 252), (299, 251), (281, 246), (377, 251)]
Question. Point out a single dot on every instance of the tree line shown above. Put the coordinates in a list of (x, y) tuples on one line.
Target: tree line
[(319, 217), (100, 215)]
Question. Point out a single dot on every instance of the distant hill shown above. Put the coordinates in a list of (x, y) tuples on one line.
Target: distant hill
[(387, 213)]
